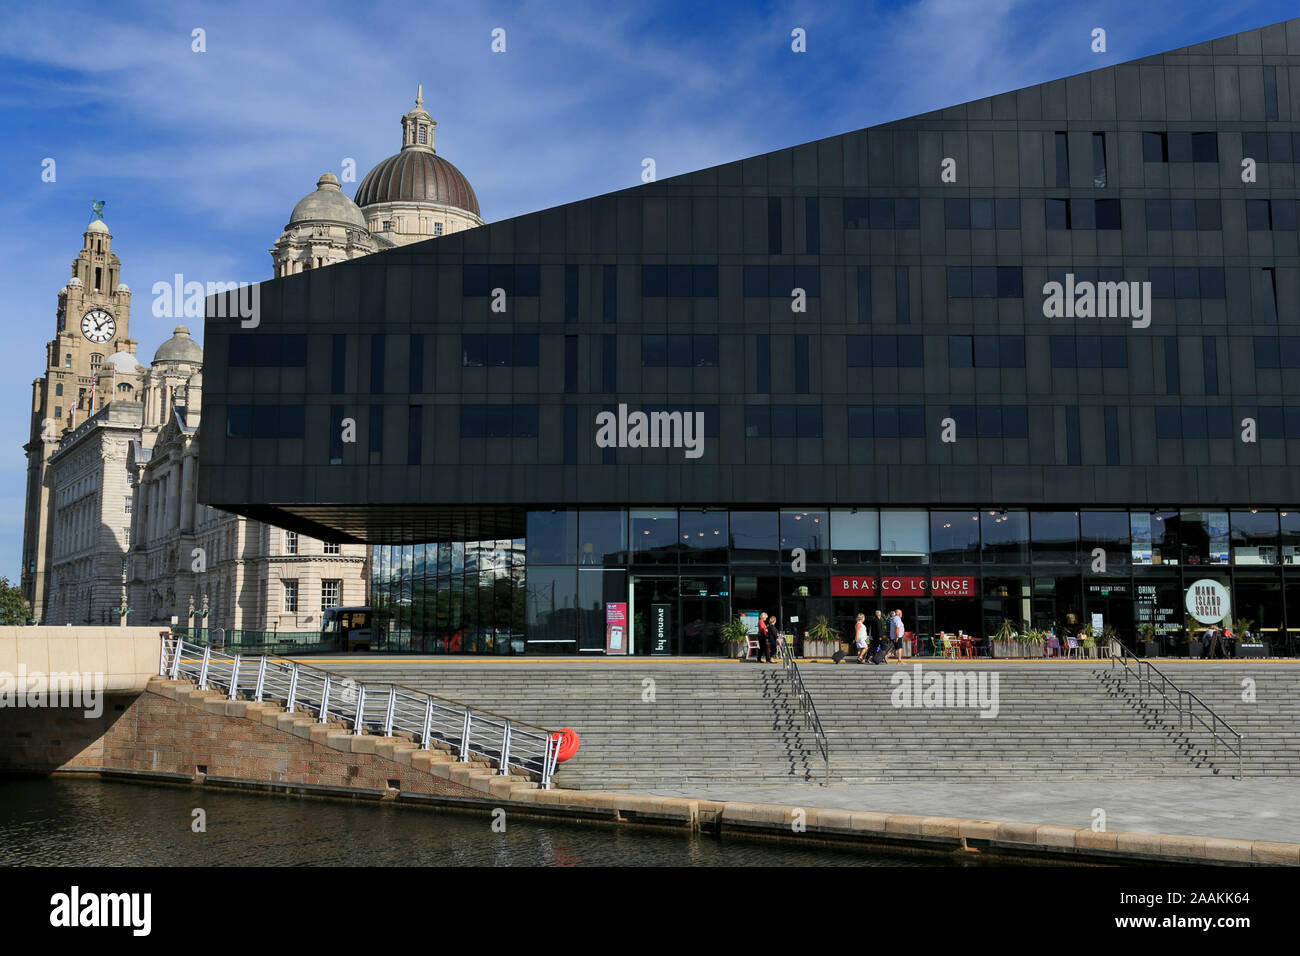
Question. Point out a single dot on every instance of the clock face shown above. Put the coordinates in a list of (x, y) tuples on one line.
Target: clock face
[(98, 326)]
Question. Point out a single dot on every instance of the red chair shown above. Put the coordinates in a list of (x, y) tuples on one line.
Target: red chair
[(965, 644)]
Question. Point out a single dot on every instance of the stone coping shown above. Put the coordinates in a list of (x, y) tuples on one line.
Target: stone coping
[(954, 836)]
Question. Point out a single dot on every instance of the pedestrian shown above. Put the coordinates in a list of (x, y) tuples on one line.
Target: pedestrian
[(877, 630), (1215, 641), (762, 638), (773, 636), (860, 637), (896, 635)]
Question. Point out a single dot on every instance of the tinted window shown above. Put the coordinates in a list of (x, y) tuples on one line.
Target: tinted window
[(1158, 214), (959, 351), (1108, 214), (958, 282), (654, 280), (1257, 214), (956, 213), (907, 213), (1205, 148), (1057, 216), (1008, 213)]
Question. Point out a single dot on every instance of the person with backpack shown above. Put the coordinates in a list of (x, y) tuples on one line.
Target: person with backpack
[(773, 636)]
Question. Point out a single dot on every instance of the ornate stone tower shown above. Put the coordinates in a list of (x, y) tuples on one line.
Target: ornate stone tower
[(91, 326), (416, 194)]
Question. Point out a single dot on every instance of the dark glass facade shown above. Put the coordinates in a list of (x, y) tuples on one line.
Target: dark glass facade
[(833, 326)]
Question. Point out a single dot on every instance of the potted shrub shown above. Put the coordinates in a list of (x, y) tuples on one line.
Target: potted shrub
[(1255, 647), (735, 635), (1147, 645), (1088, 640), (1109, 639), (1006, 640), (1033, 643), (822, 640)]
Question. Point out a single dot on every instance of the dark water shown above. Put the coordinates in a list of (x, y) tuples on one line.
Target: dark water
[(60, 821)]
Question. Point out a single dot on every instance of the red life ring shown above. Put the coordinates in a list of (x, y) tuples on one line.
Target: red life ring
[(568, 744)]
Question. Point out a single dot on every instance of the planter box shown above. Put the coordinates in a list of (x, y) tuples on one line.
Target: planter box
[(1253, 650), (1148, 649), (735, 650), (819, 648), (1196, 649)]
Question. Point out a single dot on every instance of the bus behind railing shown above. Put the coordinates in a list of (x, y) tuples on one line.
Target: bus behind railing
[(350, 627)]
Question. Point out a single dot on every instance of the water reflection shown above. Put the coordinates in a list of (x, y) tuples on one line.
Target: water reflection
[(60, 821)]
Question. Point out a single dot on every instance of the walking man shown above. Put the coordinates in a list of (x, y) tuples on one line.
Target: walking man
[(896, 635), (877, 637)]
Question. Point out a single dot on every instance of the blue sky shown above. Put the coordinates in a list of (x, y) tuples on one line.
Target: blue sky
[(201, 156)]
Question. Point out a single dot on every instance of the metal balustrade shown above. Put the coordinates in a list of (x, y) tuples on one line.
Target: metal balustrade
[(383, 709), (805, 703), (1184, 701)]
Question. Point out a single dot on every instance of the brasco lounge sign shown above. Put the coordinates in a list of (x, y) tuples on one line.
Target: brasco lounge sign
[(869, 585)]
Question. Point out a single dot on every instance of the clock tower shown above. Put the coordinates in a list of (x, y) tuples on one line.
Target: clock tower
[(91, 324)]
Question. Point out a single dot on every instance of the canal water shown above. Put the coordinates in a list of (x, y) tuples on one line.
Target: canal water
[(92, 822)]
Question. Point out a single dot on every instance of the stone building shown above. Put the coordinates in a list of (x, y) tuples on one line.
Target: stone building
[(112, 508), (412, 195), (91, 322), (91, 507)]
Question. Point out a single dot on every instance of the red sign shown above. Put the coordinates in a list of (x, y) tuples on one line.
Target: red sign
[(903, 587), (952, 587), (853, 586)]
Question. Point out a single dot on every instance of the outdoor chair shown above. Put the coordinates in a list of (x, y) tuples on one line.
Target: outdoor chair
[(1072, 646)]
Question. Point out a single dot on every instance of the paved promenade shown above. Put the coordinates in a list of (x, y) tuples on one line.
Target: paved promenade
[(1249, 809)]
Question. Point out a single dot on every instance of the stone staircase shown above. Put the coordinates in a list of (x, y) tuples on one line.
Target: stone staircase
[(731, 722), (1269, 723)]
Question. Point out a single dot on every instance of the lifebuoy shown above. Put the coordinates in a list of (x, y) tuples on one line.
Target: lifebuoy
[(568, 743)]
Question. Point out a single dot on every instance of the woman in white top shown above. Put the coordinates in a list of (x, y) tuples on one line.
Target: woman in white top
[(860, 637)]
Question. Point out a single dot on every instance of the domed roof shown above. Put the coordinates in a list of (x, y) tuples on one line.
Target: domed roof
[(179, 348), (97, 225), (123, 363), (329, 203), (417, 175)]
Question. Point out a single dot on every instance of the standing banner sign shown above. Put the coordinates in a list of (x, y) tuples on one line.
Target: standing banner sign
[(616, 628), (661, 622)]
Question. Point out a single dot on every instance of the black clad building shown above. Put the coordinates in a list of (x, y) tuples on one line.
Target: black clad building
[(852, 347)]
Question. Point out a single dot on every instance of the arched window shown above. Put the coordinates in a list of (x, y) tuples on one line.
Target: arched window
[(424, 137)]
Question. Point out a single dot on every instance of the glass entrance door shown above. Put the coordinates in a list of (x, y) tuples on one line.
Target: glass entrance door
[(656, 617), (704, 608)]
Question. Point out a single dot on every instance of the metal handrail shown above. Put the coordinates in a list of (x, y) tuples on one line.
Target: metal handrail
[(806, 705), (380, 708), (1142, 671)]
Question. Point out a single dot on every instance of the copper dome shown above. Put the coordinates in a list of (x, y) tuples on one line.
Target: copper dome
[(417, 175)]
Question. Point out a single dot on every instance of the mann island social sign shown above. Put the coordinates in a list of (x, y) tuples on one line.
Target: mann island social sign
[(904, 586)]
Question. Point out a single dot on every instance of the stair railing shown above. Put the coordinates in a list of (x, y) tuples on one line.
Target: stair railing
[(1191, 709), (386, 709), (804, 701)]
